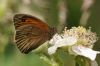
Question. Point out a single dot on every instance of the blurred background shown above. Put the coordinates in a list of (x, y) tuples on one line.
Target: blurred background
[(57, 13)]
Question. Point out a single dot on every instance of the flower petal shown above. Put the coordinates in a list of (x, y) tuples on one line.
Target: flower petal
[(84, 51), (68, 41), (52, 50), (55, 38)]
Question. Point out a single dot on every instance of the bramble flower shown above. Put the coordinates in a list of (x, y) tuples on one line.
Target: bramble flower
[(78, 40), (60, 41)]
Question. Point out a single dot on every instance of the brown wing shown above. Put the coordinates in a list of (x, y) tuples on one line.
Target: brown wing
[(30, 32)]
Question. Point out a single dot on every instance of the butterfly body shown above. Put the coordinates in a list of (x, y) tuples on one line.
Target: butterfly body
[(31, 32)]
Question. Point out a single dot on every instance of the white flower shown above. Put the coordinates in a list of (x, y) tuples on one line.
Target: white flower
[(86, 52), (68, 41), (78, 39), (54, 39), (60, 41), (52, 50)]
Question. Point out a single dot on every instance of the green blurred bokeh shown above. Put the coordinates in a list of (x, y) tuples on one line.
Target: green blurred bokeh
[(47, 10)]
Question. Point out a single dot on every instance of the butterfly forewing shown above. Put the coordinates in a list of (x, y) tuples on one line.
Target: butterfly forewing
[(30, 32)]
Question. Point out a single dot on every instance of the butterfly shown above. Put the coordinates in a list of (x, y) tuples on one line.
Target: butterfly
[(31, 32)]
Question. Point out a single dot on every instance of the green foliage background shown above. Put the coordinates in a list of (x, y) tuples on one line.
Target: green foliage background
[(47, 10)]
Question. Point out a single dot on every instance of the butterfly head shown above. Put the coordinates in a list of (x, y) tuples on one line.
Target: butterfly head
[(53, 30), (19, 18)]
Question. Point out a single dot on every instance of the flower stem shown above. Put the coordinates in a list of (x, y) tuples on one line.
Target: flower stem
[(82, 61)]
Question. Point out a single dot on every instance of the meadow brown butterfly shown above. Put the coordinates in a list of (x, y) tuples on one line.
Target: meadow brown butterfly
[(31, 32)]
